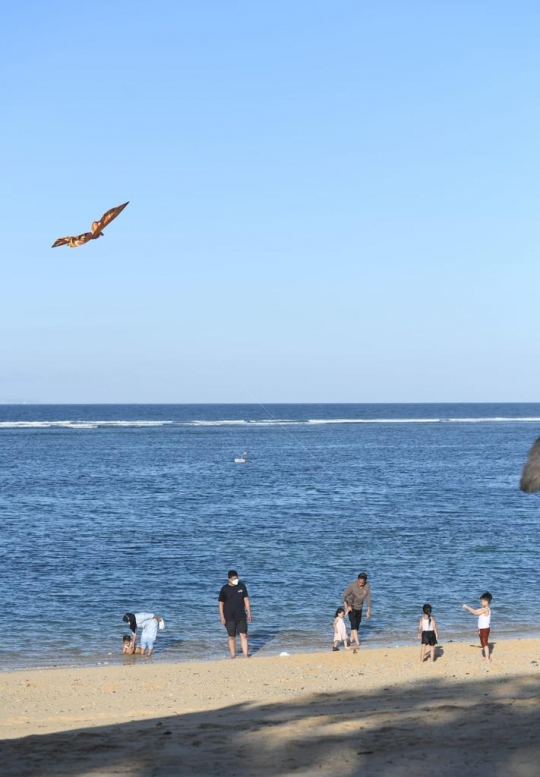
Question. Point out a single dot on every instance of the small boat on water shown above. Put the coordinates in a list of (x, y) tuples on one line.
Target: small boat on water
[(242, 459)]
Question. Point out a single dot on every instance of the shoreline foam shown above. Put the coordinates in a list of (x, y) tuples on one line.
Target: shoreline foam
[(220, 652)]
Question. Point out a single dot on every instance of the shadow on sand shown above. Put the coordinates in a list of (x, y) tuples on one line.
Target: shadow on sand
[(486, 726)]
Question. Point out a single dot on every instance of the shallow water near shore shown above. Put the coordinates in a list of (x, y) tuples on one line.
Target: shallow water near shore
[(108, 509)]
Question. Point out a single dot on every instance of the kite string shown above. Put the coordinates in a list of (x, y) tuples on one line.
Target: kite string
[(365, 509), (299, 442)]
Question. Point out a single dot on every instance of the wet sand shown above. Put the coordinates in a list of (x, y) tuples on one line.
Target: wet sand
[(378, 712)]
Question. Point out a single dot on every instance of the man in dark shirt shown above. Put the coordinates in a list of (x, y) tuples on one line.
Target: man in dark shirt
[(235, 611), (354, 596)]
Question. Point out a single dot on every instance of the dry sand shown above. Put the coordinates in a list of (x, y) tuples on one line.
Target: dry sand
[(375, 713)]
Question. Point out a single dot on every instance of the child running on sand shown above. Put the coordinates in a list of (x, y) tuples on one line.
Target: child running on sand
[(427, 632), (484, 622), (340, 630)]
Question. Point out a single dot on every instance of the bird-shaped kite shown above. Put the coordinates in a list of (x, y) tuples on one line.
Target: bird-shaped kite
[(530, 477), (97, 229)]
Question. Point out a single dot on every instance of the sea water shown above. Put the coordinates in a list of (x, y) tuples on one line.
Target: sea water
[(114, 508)]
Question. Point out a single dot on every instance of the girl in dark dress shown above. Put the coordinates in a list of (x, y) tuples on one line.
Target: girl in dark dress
[(427, 632)]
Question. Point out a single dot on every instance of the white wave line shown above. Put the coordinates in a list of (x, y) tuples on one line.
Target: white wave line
[(323, 421), (79, 424), (89, 424)]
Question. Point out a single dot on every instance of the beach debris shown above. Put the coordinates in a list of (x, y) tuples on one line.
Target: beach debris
[(530, 477), (96, 229), (284, 653)]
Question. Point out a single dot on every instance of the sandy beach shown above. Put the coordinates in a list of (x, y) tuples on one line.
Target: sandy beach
[(378, 712)]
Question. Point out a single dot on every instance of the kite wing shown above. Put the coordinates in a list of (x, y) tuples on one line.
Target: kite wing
[(73, 242), (80, 240), (530, 477), (62, 241), (97, 227), (107, 217)]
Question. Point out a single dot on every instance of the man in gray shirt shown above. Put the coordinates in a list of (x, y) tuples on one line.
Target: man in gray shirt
[(353, 600)]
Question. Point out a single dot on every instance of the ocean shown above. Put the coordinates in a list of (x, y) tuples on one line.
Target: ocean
[(112, 508)]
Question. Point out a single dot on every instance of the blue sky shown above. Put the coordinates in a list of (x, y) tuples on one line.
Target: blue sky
[(328, 201)]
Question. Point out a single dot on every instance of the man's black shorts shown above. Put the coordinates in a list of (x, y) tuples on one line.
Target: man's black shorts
[(355, 617), (236, 627)]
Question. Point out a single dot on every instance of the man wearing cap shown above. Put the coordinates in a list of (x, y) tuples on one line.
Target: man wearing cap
[(149, 624)]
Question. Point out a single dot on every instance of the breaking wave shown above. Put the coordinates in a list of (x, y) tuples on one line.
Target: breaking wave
[(270, 422), (321, 421), (79, 424)]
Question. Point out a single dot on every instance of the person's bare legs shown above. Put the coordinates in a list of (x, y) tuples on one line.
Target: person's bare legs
[(244, 643), (432, 652), (422, 653), (354, 638), (232, 646), (485, 648)]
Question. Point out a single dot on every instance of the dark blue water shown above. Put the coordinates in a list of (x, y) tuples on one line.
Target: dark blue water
[(108, 509)]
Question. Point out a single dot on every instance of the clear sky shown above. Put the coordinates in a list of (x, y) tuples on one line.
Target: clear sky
[(329, 201)]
